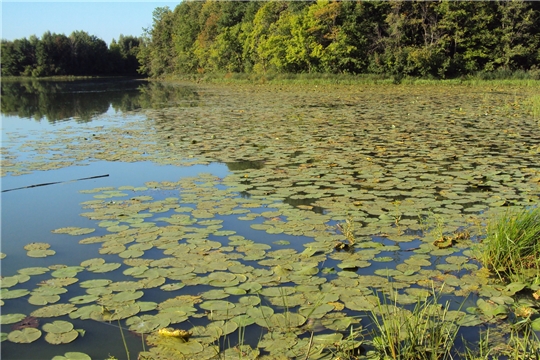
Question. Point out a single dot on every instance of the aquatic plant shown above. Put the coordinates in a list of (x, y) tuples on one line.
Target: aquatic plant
[(426, 332), (512, 245)]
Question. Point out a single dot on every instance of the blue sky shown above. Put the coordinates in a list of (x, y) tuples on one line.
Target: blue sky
[(104, 19)]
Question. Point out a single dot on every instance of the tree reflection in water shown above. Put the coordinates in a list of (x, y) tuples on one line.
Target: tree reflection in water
[(83, 100)]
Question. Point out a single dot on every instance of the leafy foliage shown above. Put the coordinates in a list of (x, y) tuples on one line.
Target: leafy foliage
[(416, 38), (79, 54)]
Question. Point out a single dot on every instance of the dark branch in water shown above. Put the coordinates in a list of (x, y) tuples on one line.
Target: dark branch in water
[(56, 182)]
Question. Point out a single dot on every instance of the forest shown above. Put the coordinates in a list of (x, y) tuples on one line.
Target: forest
[(430, 39), (79, 54)]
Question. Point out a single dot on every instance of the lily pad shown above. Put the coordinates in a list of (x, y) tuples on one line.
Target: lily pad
[(72, 356), (24, 336), (13, 294), (33, 271), (214, 305), (54, 310), (95, 283), (58, 327), (40, 253), (43, 299), (73, 231), (61, 338), (11, 318)]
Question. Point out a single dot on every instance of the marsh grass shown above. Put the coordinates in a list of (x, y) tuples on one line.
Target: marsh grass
[(426, 332), (521, 344), (349, 79), (534, 103), (512, 245)]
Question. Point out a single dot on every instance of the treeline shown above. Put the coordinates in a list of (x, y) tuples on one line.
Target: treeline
[(78, 54), (436, 39)]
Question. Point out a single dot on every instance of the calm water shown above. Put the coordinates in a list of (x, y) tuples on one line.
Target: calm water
[(295, 169), (30, 109)]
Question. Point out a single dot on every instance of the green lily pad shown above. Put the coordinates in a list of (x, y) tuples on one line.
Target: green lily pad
[(69, 271), (33, 271), (61, 338), (11, 318), (58, 327), (144, 324), (13, 294), (127, 296), (327, 339), (72, 356), (87, 312), (24, 336), (278, 291), (172, 287), (316, 312), (215, 294), (83, 299), (491, 309), (54, 310), (36, 246), (535, 324), (73, 231), (214, 305), (514, 288), (40, 253), (287, 320), (43, 299), (95, 283), (8, 281), (103, 268), (59, 282), (126, 312)]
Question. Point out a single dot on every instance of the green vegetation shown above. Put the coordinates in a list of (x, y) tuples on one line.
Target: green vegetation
[(426, 332), (512, 245), (442, 39), (534, 103), (258, 246), (80, 54), (389, 39)]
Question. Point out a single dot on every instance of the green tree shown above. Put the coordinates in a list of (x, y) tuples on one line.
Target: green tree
[(516, 48), (89, 54), (186, 28), (18, 57), (156, 55)]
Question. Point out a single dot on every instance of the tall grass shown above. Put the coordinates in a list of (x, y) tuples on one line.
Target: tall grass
[(425, 333), (346, 79), (512, 245), (520, 344), (534, 104)]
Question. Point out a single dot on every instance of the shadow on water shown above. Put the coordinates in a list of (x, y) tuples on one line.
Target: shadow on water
[(83, 100)]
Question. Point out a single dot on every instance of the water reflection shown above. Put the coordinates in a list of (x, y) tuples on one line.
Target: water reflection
[(244, 165), (83, 100)]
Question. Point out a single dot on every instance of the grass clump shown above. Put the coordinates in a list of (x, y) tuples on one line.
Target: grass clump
[(425, 333), (520, 344), (512, 245), (534, 104)]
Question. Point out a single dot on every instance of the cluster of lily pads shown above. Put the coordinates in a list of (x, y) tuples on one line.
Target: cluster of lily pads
[(249, 280), (390, 160)]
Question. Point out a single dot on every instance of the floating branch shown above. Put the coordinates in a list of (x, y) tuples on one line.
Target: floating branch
[(56, 182)]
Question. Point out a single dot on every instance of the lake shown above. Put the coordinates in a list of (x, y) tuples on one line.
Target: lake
[(201, 220)]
